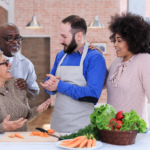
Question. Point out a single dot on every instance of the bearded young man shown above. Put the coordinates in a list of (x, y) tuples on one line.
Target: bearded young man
[(76, 78)]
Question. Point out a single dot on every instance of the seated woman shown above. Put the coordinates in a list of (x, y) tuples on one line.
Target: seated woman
[(129, 74), (14, 108)]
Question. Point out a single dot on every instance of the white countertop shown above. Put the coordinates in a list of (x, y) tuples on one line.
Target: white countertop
[(142, 143)]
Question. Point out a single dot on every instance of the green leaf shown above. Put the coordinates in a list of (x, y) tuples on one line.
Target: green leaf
[(102, 115), (129, 119), (88, 130)]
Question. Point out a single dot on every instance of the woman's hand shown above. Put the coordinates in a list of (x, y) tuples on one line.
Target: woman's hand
[(13, 125), (92, 47), (44, 105)]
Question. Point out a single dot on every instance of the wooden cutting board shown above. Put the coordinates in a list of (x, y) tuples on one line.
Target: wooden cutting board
[(27, 138)]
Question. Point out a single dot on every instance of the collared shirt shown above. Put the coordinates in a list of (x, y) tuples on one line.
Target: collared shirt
[(23, 68), (81, 50), (10, 59), (94, 71)]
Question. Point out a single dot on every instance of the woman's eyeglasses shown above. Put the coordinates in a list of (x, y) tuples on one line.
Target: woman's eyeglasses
[(7, 61)]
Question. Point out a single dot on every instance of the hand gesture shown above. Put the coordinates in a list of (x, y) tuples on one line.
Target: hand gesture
[(52, 83), (92, 47), (13, 125), (21, 84), (44, 105)]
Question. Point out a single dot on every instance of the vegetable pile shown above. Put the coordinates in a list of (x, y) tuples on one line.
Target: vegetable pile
[(105, 117), (16, 135), (80, 142), (42, 134), (90, 129)]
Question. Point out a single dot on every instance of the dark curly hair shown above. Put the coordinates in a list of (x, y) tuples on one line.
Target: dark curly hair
[(133, 29)]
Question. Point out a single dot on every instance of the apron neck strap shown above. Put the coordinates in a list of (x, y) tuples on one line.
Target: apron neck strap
[(62, 59), (84, 53)]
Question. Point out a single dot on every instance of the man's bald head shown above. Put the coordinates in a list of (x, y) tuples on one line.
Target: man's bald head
[(8, 42), (6, 26)]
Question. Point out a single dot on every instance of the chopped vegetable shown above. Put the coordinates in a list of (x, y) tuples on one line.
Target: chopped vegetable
[(50, 131), (11, 136), (18, 135), (42, 134)]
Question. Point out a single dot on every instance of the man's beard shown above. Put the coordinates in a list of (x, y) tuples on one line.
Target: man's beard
[(14, 53), (72, 46)]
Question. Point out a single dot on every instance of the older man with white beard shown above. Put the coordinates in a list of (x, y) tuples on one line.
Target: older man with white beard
[(22, 69)]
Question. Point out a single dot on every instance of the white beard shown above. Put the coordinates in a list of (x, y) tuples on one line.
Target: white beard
[(14, 53)]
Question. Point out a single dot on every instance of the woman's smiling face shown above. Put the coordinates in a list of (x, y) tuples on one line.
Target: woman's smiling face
[(4, 69), (121, 48)]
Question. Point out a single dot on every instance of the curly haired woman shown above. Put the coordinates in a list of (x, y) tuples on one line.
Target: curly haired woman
[(129, 74)]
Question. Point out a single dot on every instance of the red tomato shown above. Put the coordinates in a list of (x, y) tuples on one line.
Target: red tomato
[(119, 115), (111, 127), (113, 121), (119, 124)]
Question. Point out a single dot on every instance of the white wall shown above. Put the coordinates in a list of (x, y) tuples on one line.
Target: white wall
[(11, 17), (5, 4), (9, 6), (137, 7)]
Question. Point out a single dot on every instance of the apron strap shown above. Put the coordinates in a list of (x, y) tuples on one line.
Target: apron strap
[(62, 59), (84, 55)]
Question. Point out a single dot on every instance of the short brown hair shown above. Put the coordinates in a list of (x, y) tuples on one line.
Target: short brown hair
[(78, 24)]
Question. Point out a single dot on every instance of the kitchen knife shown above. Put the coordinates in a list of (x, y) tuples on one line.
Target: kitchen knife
[(43, 130)]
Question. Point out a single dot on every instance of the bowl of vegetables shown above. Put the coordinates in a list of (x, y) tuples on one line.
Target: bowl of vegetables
[(117, 128)]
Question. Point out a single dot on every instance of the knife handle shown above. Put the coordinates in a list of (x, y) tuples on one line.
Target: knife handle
[(43, 130)]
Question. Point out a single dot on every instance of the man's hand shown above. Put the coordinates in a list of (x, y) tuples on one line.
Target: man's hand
[(13, 125), (44, 105), (21, 84), (52, 83), (94, 47)]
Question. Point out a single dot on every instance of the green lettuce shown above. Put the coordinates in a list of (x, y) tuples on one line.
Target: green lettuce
[(129, 119), (102, 115)]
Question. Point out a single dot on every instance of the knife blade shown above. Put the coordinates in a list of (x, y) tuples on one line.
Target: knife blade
[(43, 130)]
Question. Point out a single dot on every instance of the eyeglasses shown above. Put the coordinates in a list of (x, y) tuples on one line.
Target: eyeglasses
[(7, 62), (11, 39)]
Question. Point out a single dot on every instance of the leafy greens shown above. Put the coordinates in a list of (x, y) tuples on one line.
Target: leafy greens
[(102, 115), (90, 129), (129, 119)]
